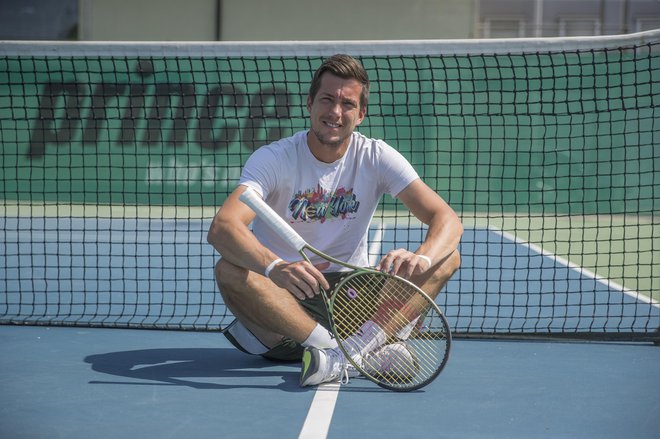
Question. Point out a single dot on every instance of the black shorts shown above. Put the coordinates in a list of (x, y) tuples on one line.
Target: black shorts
[(287, 349)]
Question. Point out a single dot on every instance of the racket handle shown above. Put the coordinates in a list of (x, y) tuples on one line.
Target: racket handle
[(272, 219)]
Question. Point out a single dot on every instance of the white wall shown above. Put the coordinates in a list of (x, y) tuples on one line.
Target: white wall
[(345, 19), (148, 20), (255, 20)]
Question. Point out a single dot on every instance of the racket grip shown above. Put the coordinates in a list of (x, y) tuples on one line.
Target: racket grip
[(272, 219)]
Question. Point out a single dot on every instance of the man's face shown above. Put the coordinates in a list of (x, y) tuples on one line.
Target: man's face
[(335, 110)]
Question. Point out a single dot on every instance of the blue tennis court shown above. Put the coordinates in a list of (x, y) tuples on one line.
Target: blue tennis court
[(106, 383), (78, 382)]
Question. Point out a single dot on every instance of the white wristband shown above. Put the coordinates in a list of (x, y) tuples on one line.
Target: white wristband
[(427, 259), (271, 266)]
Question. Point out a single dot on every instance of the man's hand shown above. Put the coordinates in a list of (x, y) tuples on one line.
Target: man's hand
[(403, 263), (301, 278)]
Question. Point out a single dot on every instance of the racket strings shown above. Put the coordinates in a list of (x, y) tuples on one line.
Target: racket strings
[(415, 346), (426, 356)]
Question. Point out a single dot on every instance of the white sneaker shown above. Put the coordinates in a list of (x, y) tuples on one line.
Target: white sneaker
[(325, 365), (397, 361)]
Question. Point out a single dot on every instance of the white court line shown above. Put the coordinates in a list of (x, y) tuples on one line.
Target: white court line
[(319, 416), (583, 271), (317, 423)]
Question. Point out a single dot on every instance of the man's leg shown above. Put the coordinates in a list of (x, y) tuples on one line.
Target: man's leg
[(376, 331), (329, 365), (267, 311), (435, 279), (276, 317)]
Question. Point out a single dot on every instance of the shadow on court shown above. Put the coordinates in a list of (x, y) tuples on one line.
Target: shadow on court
[(192, 367), (198, 367)]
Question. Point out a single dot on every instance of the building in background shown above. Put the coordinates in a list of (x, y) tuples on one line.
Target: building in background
[(284, 20), (38, 20), (564, 18)]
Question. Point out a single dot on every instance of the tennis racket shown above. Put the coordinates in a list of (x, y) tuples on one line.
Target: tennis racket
[(389, 329)]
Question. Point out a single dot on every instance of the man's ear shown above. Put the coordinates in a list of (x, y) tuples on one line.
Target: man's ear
[(363, 114)]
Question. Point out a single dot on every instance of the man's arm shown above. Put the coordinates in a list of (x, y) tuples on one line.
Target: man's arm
[(442, 237), (230, 235)]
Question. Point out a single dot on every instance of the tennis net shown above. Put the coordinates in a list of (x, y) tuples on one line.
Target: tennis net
[(116, 156)]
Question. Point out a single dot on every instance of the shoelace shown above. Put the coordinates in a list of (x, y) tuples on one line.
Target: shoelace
[(344, 376)]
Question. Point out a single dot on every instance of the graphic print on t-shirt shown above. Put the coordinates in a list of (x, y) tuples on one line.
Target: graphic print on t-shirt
[(321, 205)]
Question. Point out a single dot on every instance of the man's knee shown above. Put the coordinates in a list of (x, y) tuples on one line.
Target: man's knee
[(448, 267), (453, 262), (219, 271), (228, 276)]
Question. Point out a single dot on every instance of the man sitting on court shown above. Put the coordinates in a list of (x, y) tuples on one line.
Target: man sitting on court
[(326, 182)]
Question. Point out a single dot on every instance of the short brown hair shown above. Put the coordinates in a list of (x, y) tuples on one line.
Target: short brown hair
[(346, 67)]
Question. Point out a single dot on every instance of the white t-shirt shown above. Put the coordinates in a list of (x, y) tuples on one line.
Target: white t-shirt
[(329, 204)]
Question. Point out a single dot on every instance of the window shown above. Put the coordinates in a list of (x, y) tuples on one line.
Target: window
[(503, 27), (578, 26), (647, 23)]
